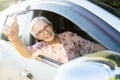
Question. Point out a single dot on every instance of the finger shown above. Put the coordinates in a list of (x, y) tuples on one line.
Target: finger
[(6, 27), (15, 28), (15, 18), (6, 31), (15, 21)]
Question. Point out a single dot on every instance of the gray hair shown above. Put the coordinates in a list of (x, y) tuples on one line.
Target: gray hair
[(35, 20)]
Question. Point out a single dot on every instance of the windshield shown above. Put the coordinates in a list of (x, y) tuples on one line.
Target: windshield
[(112, 6)]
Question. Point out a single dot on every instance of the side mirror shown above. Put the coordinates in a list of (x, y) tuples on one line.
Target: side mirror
[(104, 65)]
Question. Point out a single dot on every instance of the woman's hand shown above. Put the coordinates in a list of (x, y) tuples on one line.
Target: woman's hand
[(11, 30)]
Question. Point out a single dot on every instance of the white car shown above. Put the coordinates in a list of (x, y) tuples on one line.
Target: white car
[(83, 17)]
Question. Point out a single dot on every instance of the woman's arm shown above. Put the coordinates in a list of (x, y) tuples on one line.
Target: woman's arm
[(22, 48), (98, 47), (85, 45), (11, 30)]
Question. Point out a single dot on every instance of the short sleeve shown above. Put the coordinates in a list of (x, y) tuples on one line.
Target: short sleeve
[(36, 46)]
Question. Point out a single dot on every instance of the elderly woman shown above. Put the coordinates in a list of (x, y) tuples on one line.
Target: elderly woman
[(61, 47)]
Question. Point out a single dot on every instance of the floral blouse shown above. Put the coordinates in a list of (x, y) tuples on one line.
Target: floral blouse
[(71, 47)]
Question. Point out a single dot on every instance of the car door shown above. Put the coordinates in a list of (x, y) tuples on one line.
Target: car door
[(19, 67)]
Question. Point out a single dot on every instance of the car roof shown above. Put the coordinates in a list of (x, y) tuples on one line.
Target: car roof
[(100, 12)]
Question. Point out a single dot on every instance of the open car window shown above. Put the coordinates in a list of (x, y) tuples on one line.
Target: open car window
[(62, 24)]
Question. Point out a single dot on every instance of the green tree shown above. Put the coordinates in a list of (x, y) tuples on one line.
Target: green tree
[(6, 3)]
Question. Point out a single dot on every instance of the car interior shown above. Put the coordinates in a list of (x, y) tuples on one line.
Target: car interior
[(61, 24)]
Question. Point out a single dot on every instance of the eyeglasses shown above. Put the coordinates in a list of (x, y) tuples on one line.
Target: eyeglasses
[(44, 31)]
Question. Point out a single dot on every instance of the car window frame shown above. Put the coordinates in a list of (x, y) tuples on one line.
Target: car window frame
[(80, 16)]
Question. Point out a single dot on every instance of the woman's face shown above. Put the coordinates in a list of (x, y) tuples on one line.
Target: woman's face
[(43, 31)]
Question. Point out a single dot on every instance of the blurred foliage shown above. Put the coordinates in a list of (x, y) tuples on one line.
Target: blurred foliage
[(6, 3), (112, 6), (113, 3)]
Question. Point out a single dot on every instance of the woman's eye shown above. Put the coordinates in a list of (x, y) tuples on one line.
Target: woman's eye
[(39, 32), (47, 27)]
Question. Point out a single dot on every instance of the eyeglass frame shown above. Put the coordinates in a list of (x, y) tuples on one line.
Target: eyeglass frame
[(47, 28)]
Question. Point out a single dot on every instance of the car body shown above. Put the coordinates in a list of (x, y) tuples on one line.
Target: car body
[(80, 16), (102, 65)]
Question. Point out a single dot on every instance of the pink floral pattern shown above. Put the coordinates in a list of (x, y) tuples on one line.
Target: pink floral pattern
[(71, 47)]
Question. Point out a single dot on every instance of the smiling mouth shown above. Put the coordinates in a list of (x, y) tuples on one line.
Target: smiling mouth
[(45, 37)]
